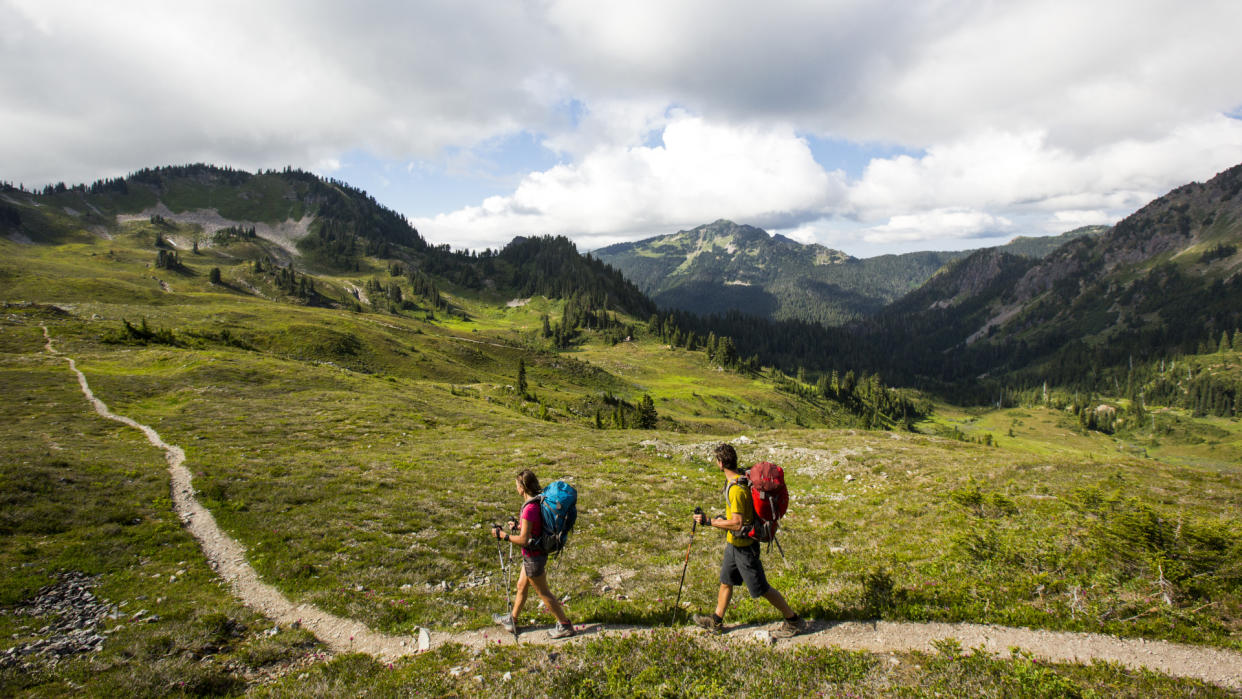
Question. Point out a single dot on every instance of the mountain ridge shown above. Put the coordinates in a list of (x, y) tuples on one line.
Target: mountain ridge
[(1159, 282), (296, 218), (700, 270)]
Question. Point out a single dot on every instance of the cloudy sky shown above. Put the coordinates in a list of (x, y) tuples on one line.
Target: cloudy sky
[(867, 126)]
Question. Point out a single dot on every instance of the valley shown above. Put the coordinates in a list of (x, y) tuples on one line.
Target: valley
[(355, 421)]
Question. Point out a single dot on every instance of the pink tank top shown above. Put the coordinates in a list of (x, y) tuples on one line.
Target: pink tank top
[(530, 511)]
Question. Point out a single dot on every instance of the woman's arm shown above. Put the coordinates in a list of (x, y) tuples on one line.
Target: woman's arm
[(523, 536)]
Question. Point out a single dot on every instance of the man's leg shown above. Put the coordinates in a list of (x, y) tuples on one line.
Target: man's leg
[(729, 576), (722, 599), (750, 564), (774, 596), (793, 624), (715, 622)]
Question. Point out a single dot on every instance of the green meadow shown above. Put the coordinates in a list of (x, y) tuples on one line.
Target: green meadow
[(360, 454)]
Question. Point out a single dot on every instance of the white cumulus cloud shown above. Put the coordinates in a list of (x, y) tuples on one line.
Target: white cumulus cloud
[(662, 113), (939, 224), (700, 172), (1014, 174)]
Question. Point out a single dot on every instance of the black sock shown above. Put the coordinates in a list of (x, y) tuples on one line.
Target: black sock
[(795, 617), (717, 619)]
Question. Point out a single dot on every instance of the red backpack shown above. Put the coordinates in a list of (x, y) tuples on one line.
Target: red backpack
[(766, 483)]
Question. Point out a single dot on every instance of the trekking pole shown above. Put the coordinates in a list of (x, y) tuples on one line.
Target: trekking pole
[(500, 553), (677, 604), (507, 569)]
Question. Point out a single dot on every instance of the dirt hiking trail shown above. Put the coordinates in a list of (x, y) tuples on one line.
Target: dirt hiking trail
[(227, 557)]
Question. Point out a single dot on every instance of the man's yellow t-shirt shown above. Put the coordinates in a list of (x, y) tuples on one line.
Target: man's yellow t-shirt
[(739, 502)]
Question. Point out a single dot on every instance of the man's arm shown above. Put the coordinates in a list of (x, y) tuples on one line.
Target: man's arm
[(733, 523)]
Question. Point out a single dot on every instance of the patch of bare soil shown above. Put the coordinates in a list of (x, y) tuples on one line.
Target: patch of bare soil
[(285, 234)]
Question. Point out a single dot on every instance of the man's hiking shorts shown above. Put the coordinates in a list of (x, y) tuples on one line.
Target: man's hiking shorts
[(534, 566), (742, 564)]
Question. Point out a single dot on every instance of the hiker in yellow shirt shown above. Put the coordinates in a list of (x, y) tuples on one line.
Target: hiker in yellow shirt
[(741, 562)]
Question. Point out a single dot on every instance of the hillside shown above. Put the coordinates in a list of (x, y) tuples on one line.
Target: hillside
[(1162, 282), (355, 430), (294, 212), (723, 266), (300, 221)]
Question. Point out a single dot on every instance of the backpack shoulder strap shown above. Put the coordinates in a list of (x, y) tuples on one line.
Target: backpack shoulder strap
[(741, 482), (538, 499)]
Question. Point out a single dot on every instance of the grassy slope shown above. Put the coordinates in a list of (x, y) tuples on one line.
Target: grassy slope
[(83, 494), (359, 456), (1212, 443)]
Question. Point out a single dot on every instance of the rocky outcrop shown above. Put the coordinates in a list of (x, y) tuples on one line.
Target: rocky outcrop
[(75, 627)]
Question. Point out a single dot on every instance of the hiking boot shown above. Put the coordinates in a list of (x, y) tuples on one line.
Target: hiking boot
[(562, 631), (506, 622), (709, 622), (789, 628)]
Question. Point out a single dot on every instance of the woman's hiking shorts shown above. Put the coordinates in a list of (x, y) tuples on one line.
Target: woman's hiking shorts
[(534, 566), (742, 564)]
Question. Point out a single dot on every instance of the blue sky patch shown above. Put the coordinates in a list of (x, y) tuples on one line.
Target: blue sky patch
[(460, 177), (852, 157)]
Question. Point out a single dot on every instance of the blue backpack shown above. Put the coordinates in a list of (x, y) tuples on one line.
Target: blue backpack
[(558, 505)]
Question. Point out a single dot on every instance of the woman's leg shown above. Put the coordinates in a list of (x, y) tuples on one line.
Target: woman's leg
[(553, 604), (519, 599)]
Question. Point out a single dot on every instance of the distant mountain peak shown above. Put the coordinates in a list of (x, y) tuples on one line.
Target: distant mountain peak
[(724, 266)]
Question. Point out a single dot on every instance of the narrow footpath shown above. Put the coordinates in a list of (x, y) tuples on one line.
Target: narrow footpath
[(227, 557)]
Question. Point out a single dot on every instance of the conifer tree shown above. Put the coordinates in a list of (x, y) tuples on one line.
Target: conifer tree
[(214, 275), (726, 354), (847, 384), (647, 416), (521, 377)]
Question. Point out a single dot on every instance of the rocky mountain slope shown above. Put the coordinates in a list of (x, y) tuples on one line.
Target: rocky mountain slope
[(298, 220), (1164, 280), (326, 221), (724, 266)]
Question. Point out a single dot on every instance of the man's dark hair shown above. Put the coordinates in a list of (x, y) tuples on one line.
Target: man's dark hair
[(726, 456)]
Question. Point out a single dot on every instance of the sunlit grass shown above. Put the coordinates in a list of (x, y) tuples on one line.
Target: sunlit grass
[(360, 456)]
